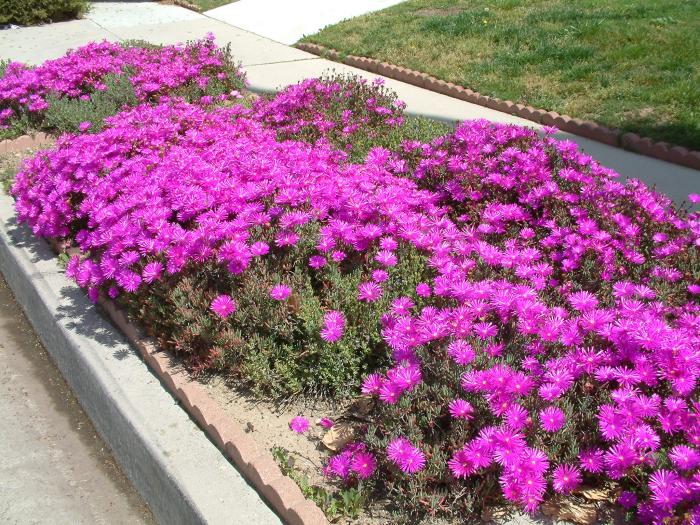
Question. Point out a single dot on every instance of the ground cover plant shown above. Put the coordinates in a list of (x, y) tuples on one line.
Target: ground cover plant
[(631, 65), (520, 322), (30, 12), (92, 82)]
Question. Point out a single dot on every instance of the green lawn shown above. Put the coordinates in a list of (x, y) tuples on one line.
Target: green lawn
[(632, 64)]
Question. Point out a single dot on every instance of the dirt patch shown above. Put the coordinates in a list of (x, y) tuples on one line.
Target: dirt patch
[(268, 423), (447, 11)]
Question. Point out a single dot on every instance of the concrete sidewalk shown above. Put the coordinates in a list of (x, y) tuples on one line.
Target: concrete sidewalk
[(271, 65), (287, 21), (174, 466), (48, 443)]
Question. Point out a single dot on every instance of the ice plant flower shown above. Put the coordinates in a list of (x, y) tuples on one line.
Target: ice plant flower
[(552, 419), (461, 409), (223, 306), (326, 422), (566, 478), (299, 424), (545, 279), (407, 457), (333, 326), (423, 290), (369, 292), (363, 464), (280, 292), (591, 460)]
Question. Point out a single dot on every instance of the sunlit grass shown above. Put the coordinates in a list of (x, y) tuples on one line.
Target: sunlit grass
[(629, 64)]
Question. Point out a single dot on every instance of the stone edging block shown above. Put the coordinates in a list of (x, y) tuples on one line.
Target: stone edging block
[(584, 128)]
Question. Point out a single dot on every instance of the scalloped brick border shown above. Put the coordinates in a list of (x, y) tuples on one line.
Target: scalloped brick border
[(255, 463), (24, 142), (583, 128)]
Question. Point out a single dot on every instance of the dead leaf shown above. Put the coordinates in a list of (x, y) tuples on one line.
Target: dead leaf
[(493, 513), (338, 436), (580, 513), (595, 494), (361, 407)]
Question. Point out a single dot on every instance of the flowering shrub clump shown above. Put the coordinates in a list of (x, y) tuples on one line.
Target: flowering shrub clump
[(526, 323), (198, 69), (348, 111), (190, 210)]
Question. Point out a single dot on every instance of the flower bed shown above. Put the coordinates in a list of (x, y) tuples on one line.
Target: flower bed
[(99, 79), (522, 323)]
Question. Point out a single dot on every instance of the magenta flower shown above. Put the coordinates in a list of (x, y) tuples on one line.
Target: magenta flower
[(363, 464), (223, 306), (627, 499), (402, 306), (369, 292), (386, 258), (517, 417), (372, 384), (280, 292), (317, 261), (326, 423), (566, 478), (333, 326), (390, 392), (583, 301), (338, 255), (260, 248), (423, 290), (339, 465), (684, 457), (552, 419), (461, 464), (299, 424), (406, 376), (379, 276), (286, 238), (152, 272), (591, 460), (461, 352), (461, 409), (406, 456), (665, 489), (388, 243)]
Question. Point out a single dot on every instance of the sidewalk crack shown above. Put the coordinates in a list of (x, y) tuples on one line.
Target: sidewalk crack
[(281, 62)]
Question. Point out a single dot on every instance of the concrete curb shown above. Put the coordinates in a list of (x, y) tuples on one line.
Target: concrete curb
[(584, 128), (178, 471)]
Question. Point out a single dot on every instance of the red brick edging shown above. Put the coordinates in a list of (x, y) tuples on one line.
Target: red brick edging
[(583, 128), (255, 463)]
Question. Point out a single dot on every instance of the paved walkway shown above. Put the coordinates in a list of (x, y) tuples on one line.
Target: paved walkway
[(271, 65), (293, 19), (54, 468)]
